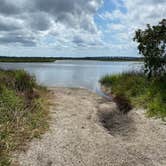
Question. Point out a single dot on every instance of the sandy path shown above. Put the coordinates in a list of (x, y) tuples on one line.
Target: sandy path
[(78, 138)]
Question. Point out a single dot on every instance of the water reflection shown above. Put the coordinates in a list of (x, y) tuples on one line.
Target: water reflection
[(84, 74)]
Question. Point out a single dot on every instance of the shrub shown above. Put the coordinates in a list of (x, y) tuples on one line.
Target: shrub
[(152, 45), (139, 91)]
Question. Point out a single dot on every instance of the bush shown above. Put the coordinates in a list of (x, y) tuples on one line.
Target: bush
[(152, 45), (139, 91)]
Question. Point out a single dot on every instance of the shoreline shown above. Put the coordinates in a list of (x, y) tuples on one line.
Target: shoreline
[(84, 126)]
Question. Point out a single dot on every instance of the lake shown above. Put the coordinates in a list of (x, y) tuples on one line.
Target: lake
[(68, 73)]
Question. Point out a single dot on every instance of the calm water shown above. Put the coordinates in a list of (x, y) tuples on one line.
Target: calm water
[(84, 74)]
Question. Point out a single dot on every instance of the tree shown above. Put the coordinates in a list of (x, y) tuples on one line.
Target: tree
[(152, 45)]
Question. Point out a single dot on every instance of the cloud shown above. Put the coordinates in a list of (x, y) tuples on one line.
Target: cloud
[(38, 21), (110, 16), (72, 24), (122, 23), (7, 8), (143, 12), (117, 27), (4, 26), (138, 12), (9, 24), (17, 38), (41, 18)]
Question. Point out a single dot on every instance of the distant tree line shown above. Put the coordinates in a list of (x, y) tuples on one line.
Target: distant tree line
[(103, 58), (26, 59), (52, 59)]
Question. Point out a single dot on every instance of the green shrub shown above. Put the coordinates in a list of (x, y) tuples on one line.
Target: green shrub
[(140, 91), (152, 45)]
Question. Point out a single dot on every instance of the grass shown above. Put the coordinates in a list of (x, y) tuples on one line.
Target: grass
[(139, 91), (23, 113)]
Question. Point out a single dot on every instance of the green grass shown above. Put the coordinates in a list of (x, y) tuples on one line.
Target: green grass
[(23, 113), (139, 91)]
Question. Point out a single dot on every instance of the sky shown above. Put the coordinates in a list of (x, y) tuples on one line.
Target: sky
[(75, 28)]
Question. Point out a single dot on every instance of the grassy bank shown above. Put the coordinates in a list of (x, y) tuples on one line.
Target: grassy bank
[(136, 89), (23, 113)]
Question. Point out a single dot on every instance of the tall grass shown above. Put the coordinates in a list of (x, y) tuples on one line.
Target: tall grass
[(140, 91), (22, 113)]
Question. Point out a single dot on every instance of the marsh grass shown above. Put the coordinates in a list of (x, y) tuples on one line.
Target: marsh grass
[(23, 113), (139, 91)]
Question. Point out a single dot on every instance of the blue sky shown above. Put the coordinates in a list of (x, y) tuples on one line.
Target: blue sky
[(76, 27)]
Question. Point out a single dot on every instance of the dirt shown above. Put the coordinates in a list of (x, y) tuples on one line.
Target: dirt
[(88, 130)]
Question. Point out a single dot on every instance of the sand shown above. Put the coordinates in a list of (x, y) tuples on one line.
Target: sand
[(87, 130)]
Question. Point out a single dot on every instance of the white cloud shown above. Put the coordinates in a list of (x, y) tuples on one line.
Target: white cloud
[(121, 25), (28, 22), (110, 16), (68, 26), (117, 27)]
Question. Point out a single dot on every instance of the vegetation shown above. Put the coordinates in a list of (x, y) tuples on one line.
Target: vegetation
[(103, 58), (52, 59), (139, 91), (152, 45), (146, 89), (22, 113), (26, 59)]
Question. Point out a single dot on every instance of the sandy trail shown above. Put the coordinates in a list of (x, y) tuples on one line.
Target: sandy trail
[(77, 135)]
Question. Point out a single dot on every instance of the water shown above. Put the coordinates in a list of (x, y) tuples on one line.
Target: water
[(85, 74)]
